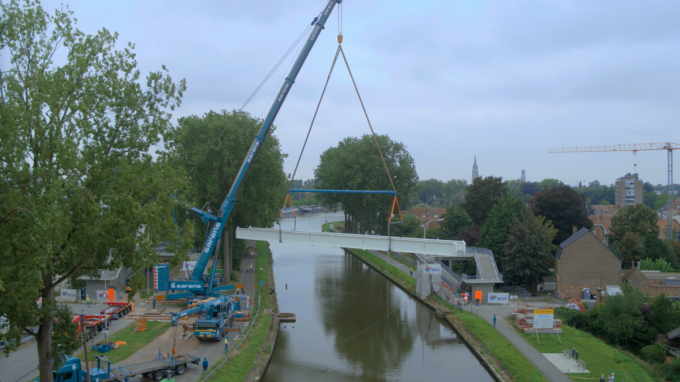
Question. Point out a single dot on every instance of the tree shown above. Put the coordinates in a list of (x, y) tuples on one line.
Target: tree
[(655, 265), (409, 228), (637, 218), (661, 201), (631, 247), (528, 250), (454, 192), (430, 191), (480, 197), (550, 183), (594, 184), (355, 165), (217, 165), (78, 182), (649, 195), (564, 207), (495, 230), (455, 220), (469, 235), (655, 248), (530, 188), (514, 187), (622, 321)]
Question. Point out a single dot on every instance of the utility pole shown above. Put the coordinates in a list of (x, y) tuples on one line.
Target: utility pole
[(82, 333)]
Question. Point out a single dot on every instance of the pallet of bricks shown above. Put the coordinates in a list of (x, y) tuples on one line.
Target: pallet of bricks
[(524, 321), (576, 304)]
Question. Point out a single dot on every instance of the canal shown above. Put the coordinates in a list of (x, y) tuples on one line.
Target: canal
[(353, 324)]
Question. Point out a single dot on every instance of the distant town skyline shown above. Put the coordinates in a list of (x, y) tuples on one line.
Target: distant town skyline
[(506, 81)]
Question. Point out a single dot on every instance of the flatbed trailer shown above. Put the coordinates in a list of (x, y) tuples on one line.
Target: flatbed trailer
[(118, 309), (157, 369), (99, 321)]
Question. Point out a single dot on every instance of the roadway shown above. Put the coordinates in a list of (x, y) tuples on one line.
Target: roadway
[(22, 365)]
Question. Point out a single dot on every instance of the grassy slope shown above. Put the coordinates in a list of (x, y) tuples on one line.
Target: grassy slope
[(238, 367), (498, 346), (403, 278), (135, 341), (325, 227), (600, 357)]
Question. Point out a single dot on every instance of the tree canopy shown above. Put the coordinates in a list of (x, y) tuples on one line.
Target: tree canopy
[(354, 164), (79, 188), (216, 166), (480, 197), (495, 230), (564, 207), (455, 220), (528, 249), (636, 218)]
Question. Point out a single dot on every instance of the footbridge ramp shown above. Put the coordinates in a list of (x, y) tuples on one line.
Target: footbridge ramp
[(444, 248)]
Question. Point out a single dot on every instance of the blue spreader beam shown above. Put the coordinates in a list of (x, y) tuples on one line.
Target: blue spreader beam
[(345, 191)]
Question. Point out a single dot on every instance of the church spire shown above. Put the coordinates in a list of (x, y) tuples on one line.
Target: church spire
[(475, 172)]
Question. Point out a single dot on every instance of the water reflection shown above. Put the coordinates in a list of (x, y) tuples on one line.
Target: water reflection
[(354, 325)]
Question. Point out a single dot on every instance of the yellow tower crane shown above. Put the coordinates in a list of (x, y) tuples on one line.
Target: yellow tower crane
[(635, 147)]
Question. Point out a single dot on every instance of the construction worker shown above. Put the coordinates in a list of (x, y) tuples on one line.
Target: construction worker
[(87, 299), (205, 364), (226, 343)]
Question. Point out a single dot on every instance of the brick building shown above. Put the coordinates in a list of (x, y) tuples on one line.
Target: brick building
[(425, 214), (601, 216), (583, 261), (652, 283)]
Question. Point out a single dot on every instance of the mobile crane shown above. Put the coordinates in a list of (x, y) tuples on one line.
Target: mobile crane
[(198, 285)]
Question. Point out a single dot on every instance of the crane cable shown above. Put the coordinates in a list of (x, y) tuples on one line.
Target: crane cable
[(382, 158)]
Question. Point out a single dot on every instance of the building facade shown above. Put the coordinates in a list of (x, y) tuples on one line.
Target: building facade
[(475, 172), (583, 261), (628, 190)]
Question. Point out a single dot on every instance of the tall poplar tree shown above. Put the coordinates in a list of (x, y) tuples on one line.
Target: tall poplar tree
[(79, 187)]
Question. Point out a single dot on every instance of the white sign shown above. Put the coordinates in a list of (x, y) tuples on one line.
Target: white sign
[(543, 319), (69, 294), (498, 298), (433, 269), (189, 266)]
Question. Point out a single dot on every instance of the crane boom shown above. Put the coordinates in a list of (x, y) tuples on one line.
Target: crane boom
[(625, 147), (635, 147), (228, 204)]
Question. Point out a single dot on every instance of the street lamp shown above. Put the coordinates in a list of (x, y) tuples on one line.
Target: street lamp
[(428, 222)]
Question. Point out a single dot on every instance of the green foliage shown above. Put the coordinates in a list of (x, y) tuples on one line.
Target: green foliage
[(262, 192), (564, 207), (455, 220), (649, 195), (305, 202), (480, 197), (528, 250), (655, 265), (133, 339), (530, 188), (664, 317), (672, 370), (65, 338), (571, 317), (356, 165), (495, 230), (80, 182), (622, 322), (636, 218), (409, 228), (655, 248), (550, 183), (653, 353), (661, 201)]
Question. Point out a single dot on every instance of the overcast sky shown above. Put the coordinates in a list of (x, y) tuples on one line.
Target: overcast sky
[(503, 80)]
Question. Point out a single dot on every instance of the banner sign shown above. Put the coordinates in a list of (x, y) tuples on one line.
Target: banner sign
[(498, 298), (69, 294), (433, 269), (543, 319), (189, 266), (186, 285), (101, 295)]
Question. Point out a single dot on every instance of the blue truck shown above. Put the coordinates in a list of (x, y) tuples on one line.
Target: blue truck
[(157, 369), (217, 319)]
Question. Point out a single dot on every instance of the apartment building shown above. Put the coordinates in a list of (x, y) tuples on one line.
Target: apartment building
[(628, 190)]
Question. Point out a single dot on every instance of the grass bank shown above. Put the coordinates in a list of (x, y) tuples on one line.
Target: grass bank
[(402, 278), (490, 342), (326, 227), (600, 357), (254, 349), (135, 340)]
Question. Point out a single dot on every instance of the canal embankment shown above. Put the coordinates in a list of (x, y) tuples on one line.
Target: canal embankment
[(249, 360)]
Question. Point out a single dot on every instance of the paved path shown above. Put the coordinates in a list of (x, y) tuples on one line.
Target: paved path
[(486, 312)]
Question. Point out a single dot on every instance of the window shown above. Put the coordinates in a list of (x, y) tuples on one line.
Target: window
[(630, 193)]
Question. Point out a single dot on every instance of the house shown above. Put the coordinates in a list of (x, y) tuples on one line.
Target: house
[(583, 261), (104, 280), (601, 216), (663, 227), (652, 283)]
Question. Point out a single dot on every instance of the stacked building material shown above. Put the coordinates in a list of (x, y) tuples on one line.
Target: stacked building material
[(576, 304), (524, 321)]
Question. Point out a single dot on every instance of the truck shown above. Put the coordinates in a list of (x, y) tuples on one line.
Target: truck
[(157, 369), (219, 317), (118, 309)]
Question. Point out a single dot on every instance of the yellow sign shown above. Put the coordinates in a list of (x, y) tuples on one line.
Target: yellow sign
[(544, 311)]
